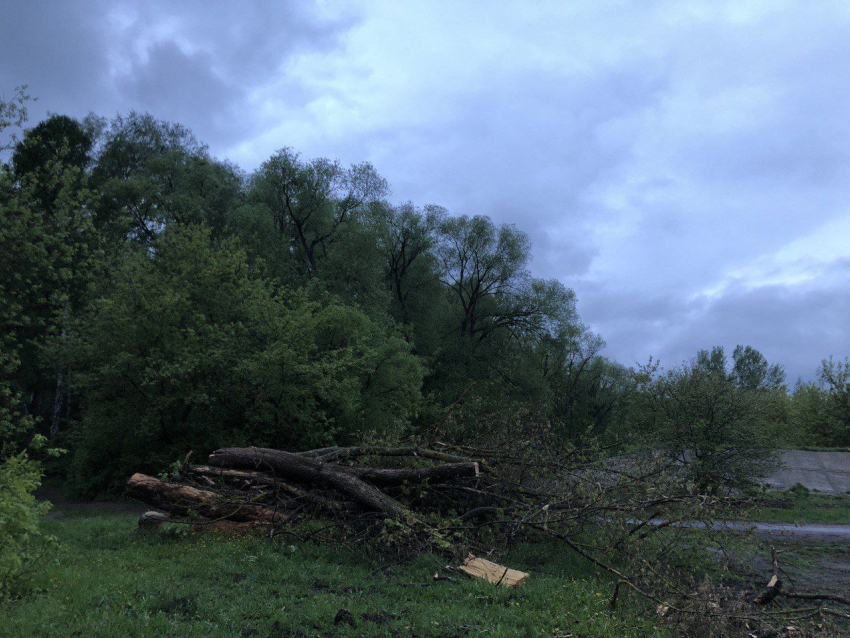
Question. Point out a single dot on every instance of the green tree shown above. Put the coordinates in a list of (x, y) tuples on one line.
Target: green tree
[(704, 421), (58, 138), (406, 239), (312, 203), (189, 347), (809, 414), (151, 173), (49, 243), (484, 267), (13, 115), (751, 371), (21, 540), (834, 377)]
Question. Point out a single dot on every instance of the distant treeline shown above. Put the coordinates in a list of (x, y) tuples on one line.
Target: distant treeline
[(156, 300)]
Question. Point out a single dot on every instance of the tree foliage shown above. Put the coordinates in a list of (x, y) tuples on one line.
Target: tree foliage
[(188, 347), (703, 418), (158, 300)]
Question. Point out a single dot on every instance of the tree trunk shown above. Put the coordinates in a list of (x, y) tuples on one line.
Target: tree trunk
[(57, 405), (437, 474), (184, 500), (307, 470)]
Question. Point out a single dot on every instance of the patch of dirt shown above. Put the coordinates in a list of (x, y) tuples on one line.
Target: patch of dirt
[(380, 618), (63, 504), (178, 607)]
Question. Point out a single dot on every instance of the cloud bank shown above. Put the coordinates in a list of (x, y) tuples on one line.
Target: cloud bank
[(683, 165)]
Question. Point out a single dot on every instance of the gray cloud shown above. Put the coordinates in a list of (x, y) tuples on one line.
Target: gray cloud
[(194, 62), (683, 165)]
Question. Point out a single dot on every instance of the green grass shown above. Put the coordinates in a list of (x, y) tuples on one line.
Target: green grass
[(109, 580), (795, 507)]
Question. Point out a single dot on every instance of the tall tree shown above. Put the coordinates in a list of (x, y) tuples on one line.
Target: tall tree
[(484, 268), (751, 371), (834, 377), (313, 203), (48, 237), (153, 173), (406, 238)]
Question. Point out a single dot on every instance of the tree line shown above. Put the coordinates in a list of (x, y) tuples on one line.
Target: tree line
[(156, 300)]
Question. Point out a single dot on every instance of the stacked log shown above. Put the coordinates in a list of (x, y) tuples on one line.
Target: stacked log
[(259, 488), (262, 485)]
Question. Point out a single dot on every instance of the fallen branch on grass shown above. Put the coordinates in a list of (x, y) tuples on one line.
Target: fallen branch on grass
[(262, 487)]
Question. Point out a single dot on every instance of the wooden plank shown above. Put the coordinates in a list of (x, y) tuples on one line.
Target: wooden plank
[(493, 572)]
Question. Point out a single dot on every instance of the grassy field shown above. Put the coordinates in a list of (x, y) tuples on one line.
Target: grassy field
[(797, 507), (109, 580)]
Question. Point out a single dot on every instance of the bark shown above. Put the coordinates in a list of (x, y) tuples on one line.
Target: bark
[(307, 470), (184, 500), (436, 474)]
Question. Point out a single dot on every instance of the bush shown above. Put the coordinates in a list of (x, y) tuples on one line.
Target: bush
[(719, 431), (191, 348), (21, 540)]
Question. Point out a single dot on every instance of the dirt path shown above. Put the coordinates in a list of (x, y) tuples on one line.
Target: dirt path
[(63, 505)]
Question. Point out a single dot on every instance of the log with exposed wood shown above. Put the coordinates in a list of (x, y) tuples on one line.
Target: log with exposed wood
[(774, 588), (185, 500), (308, 470)]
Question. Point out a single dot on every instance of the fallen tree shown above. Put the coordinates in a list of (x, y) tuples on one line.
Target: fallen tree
[(466, 503), (265, 487)]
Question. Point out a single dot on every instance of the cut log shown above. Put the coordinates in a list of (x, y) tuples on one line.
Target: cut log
[(493, 572), (308, 470), (248, 478), (153, 520), (774, 588), (184, 500)]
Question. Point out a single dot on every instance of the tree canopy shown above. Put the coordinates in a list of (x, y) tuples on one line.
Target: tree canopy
[(157, 299)]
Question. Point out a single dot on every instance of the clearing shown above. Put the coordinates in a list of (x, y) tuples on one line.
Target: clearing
[(111, 580)]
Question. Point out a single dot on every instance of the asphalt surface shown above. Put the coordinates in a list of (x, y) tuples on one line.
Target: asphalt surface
[(808, 530), (827, 472)]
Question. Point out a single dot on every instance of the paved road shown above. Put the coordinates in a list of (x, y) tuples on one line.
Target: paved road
[(787, 530), (827, 472), (810, 530)]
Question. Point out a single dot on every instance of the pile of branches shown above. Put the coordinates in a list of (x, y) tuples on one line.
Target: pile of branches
[(633, 517), (435, 492), (449, 499), (261, 488)]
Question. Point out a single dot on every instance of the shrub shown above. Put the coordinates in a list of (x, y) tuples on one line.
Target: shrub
[(21, 540), (719, 431), (191, 348)]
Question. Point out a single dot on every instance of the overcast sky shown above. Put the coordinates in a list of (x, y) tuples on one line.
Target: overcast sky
[(683, 166)]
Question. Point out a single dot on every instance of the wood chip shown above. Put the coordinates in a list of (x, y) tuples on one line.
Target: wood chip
[(493, 572)]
